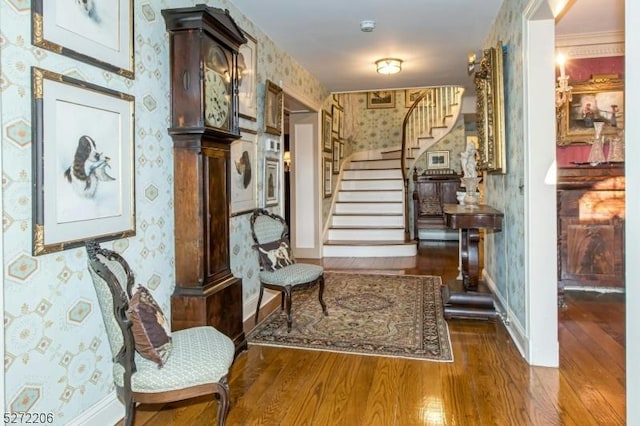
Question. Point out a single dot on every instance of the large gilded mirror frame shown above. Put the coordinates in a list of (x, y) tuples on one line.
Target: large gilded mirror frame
[(489, 84), (599, 99)]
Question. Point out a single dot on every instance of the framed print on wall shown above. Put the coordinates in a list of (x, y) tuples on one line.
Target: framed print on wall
[(326, 131), (86, 163), (273, 108), (381, 99), (410, 96), (336, 120), (247, 72), (243, 174), (437, 159), (336, 156), (97, 32), (326, 181), (271, 182)]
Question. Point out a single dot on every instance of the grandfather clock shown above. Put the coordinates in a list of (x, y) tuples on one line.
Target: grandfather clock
[(204, 44)]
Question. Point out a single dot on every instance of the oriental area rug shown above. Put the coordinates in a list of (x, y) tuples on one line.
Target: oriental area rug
[(369, 314)]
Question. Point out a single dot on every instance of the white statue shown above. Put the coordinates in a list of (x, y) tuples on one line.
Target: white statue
[(468, 159)]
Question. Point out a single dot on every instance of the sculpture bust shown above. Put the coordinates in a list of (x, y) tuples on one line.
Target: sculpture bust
[(468, 160)]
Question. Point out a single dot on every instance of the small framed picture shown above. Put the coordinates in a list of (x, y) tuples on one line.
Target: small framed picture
[(271, 181), (96, 32), (381, 99), (273, 108), (336, 125), (243, 174), (336, 156), (326, 131), (410, 96), (247, 71), (83, 162), (328, 173), (437, 159)]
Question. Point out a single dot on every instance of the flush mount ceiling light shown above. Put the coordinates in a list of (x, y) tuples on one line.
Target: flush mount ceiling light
[(388, 66)]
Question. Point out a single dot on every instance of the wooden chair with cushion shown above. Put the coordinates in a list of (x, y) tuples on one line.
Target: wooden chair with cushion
[(151, 364), (278, 269)]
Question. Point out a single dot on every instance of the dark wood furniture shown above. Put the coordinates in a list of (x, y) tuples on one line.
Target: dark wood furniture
[(473, 299), (591, 203), (204, 43), (431, 191)]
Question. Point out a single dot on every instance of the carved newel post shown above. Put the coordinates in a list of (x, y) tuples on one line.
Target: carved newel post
[(470, 179)]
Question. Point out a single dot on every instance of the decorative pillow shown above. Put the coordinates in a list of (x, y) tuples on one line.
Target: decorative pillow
[(275, 255), (430, 205), (151, 330)]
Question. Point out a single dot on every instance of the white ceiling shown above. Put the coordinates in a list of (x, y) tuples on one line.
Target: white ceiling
[(431, 37)]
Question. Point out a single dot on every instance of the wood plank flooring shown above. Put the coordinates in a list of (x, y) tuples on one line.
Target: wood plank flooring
[(488, 383)]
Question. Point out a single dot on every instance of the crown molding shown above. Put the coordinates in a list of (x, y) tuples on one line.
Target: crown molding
[(591, 45)]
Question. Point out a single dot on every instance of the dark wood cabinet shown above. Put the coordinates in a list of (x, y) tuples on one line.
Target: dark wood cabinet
[(204, 45), (431, 192), (591, 204)]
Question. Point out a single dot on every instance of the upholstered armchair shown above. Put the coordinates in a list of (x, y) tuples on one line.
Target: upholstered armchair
[(278, 268), (151, 364)]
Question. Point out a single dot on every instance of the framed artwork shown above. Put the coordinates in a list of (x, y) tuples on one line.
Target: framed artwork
[(326, 181), (336, 156), (598, 99), (489, 84), (97, 32), (271, 181), (437, 159), (410, 96), (243, 174), (247, 72), (341, 150), (83, 167), (326, 131), (381, 99), (273, 108), (336, 124)]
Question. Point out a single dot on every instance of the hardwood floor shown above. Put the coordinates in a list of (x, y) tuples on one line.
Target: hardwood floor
[(487, 384)]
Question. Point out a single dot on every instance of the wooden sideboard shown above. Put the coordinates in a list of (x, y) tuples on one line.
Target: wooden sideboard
[(431, 193), (591, 204)]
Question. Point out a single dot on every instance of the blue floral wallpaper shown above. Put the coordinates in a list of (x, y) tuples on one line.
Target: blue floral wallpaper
[(57, 358), (504, 258)]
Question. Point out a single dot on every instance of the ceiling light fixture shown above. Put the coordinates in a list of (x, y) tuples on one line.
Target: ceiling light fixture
[(388, 66), (367, 25)]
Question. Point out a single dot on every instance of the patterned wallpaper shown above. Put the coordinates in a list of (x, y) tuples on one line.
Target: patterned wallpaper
[(52, 322), (504, 256)]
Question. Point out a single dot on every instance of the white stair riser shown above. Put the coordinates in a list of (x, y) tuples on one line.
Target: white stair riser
[(372, 196), (372, 174), (372, 184), (365, 208), (335, 234), (364, 220), (374, 164), (401, 250)]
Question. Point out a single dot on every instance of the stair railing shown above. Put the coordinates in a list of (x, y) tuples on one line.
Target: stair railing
[(429, 111)]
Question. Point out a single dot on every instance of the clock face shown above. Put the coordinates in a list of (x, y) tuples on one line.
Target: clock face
[(216, 100)]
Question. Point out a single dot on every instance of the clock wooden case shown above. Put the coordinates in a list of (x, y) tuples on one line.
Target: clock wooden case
[(204, 43)]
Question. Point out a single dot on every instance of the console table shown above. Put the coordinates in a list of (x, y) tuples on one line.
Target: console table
[(473, 299)]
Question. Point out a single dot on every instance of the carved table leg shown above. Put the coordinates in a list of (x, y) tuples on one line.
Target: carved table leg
[(470, 261)]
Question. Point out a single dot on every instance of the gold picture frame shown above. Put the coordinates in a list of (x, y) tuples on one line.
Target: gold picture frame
[(272, 108), (489, 84), (381, 99), (599, 99)]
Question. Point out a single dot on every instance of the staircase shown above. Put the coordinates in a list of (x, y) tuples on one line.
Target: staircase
[(370, 213)]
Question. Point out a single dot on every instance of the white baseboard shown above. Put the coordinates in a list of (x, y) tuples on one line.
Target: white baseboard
[(108, 411), (517, 332)]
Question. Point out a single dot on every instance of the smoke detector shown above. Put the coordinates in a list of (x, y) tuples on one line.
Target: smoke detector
[(367, 25)]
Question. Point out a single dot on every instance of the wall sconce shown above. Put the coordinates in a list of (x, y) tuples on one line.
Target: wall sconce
[(472, 61), (287, 160), (388, 66), (563, 90)]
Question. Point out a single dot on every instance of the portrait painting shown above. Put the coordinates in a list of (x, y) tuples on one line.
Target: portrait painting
[(271, 182), (247, 71)]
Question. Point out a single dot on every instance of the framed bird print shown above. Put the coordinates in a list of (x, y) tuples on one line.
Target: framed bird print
[(83, 167)]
